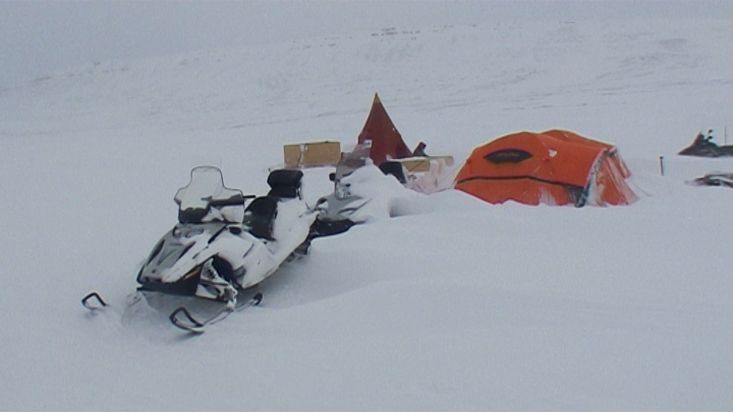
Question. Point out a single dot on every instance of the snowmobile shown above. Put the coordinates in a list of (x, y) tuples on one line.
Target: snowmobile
[(705, 146), (714, 179), (351, 205), (220, 248), (340, 210)]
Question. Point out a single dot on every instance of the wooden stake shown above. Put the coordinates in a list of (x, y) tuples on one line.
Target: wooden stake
[(661, 165)]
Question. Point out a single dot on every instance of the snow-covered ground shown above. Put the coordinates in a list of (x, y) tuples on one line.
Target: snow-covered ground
[(453, 304)]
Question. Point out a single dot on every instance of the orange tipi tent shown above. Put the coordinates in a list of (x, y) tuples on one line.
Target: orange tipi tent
[(386, 141), (555, 167)]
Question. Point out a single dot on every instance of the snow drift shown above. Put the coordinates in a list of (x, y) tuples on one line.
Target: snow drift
[(450, 303)]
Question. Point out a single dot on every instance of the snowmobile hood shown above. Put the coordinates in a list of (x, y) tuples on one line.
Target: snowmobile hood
[(185, 248)]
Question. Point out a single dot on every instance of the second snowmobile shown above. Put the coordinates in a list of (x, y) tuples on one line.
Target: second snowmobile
[(342, 209)]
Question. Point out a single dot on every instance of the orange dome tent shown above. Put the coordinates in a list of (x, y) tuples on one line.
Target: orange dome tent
[(556, 167)]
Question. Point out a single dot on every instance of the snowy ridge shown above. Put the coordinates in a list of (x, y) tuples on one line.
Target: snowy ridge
[(519, 67)]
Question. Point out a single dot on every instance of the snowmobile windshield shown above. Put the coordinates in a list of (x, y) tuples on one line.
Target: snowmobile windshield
[(206, 199), (352, 160)]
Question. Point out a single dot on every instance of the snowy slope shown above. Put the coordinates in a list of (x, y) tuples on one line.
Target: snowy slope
[(453, 304)]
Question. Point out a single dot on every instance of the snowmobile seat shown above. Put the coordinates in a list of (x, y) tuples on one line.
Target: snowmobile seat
[(260, 216), (261, 213), (285, 183), (395, 169)]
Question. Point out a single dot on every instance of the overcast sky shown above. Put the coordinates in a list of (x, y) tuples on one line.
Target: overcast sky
[(38, 37)]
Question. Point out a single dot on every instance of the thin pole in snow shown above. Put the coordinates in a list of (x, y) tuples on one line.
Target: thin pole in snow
[(661, 165)]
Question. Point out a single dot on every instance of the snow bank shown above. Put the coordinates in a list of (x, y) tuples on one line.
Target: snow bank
[(440, 302)]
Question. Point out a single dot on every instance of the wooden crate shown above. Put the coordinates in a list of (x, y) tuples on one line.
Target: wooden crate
[(312, 154), (422, 164)]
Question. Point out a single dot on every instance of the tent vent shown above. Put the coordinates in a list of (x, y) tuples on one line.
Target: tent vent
[(507, 156)]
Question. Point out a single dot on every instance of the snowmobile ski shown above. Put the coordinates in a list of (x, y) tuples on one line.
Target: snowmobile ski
[(93, 301), (96, 303), (183, 319)]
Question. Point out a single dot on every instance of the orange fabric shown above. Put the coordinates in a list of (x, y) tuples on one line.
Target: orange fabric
[(527, 191), (563, 167), (387, 142), (611, 184)]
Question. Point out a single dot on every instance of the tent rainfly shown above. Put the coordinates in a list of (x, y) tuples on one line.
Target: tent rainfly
[(555, 167)]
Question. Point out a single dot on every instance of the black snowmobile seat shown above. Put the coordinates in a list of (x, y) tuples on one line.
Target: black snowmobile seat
[(395, 169), (260, 216), (261, 213), (285, 183)]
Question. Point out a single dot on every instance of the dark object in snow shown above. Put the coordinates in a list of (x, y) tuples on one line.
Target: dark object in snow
[(420, 150), (260, 215), (395, 169), (93, 301), (285, 183), (704, 146), (322, 227), (183, 319), (715, 179)]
